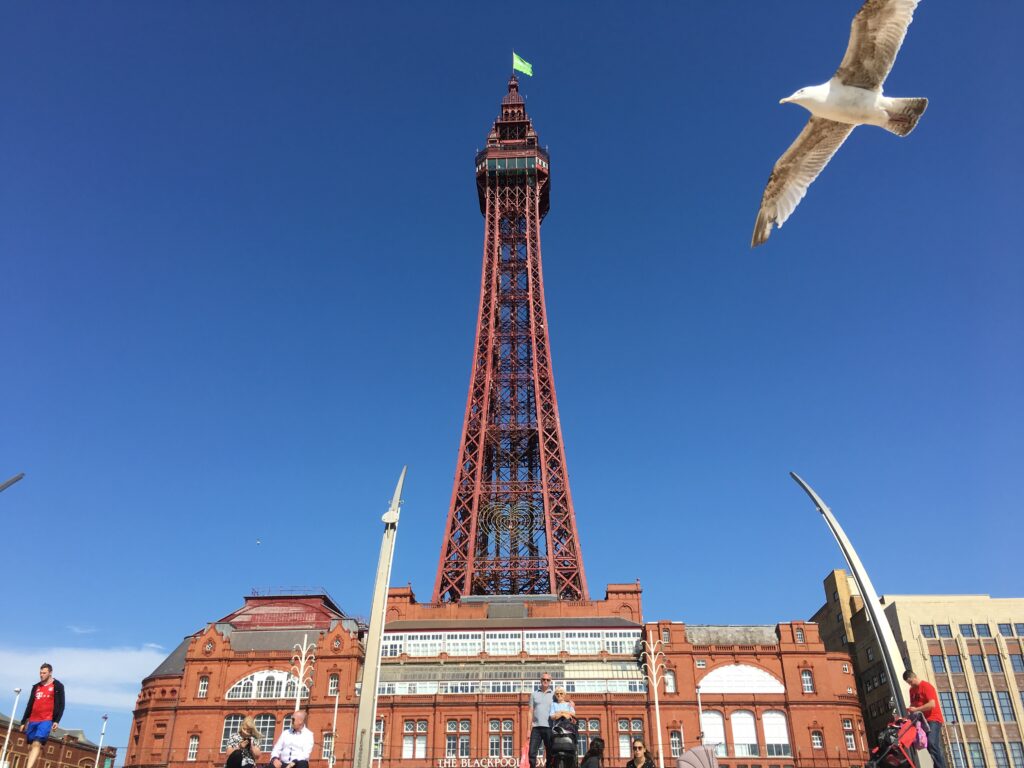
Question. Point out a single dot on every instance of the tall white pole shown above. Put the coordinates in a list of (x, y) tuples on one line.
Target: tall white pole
[(652, 671), (334, 730), (14, 711), (879, 622), (103, 732), (366, 719), (700, 717)]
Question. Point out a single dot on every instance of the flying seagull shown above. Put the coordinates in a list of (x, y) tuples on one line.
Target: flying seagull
[(852, 97)]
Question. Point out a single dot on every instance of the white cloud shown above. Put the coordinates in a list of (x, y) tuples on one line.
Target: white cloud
[(81, 630), (98, 677)]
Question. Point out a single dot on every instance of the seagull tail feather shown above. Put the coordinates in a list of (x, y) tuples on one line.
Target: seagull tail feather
[(762, 228), (904, 114)]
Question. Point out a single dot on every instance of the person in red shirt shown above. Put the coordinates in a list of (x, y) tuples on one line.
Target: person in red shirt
[(42, 714), (924, 700)]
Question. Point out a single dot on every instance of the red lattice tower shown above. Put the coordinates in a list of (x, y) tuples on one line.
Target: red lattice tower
[(511, 527)]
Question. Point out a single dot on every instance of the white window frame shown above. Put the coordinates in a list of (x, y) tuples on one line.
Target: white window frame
[(670, 681), (775, 728), (327, 746), (807, 680), (266, 723), (267, 684), (204, 687), (193, 748), (675, 741), (232, 723), (744, 725)]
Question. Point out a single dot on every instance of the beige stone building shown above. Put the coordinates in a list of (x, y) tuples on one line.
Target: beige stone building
[(970, 647)]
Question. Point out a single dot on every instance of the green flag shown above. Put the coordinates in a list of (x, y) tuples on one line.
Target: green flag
[(521, 64)]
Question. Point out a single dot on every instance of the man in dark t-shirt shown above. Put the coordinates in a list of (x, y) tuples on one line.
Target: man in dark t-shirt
[(43, 712), (924, 700)]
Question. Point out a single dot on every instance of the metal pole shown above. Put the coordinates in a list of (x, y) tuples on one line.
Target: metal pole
[(3, 752), (366, 718), (334, 729), (652, 671), (700, 717), (103, 732), (879, 622), (8, 483)]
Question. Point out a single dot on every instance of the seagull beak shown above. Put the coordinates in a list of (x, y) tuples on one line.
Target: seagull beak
[(785, 100)]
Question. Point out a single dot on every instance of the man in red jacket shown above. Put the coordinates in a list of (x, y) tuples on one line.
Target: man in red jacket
[(925, 700), (43, 713)]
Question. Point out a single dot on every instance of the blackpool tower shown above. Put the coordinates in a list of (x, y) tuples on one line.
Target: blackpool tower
[(511, 529)]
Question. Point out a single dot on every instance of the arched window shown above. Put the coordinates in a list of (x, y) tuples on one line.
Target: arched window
[(807, 681), (670, 682), (713, 726), (231, 725), (740, 678), (799, 635), (744, 734), (204, 686), (776, 734), (193, 748), (332, 685), (266, 684), (675, 742), (266, 724), (817, 740)]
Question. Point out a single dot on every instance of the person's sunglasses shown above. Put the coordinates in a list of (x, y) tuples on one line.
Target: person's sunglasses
[(638, 749)]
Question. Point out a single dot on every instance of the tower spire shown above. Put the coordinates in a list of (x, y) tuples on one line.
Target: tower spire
[(511, 527)]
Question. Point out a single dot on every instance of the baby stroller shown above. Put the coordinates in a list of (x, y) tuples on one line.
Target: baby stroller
[(895, 745), (563, 744)]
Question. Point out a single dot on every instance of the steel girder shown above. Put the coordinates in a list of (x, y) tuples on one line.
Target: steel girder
[(511, 527)]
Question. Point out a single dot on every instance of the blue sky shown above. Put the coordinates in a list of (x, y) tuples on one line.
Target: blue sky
[(240, 254)]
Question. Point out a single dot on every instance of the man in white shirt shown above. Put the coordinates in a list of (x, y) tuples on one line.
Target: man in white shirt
[(295, 744)]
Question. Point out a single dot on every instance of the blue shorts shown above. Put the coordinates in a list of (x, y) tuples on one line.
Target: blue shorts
[(38, 730)]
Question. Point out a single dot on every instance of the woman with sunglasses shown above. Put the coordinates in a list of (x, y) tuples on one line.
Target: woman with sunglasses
[(562, 708), (641, 757)]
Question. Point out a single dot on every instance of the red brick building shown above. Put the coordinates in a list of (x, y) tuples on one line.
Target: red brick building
[(457, 676), (66, 748)]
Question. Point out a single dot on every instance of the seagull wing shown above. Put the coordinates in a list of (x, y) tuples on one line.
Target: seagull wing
[(876, 35), (794, 172)]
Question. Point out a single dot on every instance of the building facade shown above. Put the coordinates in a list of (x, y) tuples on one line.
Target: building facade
[(66, 748), (970, 647), (456, 680)]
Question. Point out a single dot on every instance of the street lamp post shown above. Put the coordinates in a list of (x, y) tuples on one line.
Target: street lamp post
[(103, 732), (872, 605), (3, 752), (303, 662), (700, 717), (334, 731), (656, 673)]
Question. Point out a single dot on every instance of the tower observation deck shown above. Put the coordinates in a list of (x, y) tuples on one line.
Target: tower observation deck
[(511, 529)]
